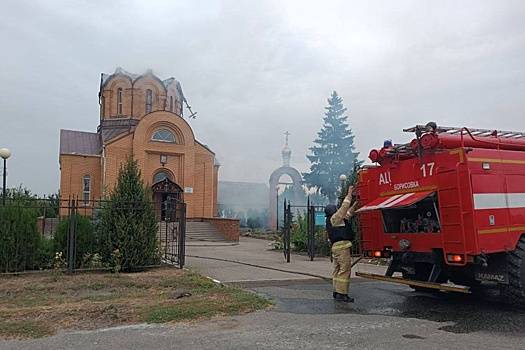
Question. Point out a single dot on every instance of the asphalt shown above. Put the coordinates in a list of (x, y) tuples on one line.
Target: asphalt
[(254, 260), (384, 316)]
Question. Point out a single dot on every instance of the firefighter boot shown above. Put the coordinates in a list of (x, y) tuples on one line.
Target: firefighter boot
[(344, 298)]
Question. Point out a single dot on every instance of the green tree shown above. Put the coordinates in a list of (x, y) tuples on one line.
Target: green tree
[(19, 237), (128, 226), (333, 152)]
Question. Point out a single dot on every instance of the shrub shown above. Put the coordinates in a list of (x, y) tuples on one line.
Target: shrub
[(299, 237), (127, 222), (299, 234), (45, 253), (86, 242), (19, 237)]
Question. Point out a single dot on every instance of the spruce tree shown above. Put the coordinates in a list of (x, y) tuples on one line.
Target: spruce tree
[(333, 153), (128, 226)]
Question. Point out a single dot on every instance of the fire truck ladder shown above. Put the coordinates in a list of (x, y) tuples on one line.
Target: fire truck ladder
[(453, 235), (451, 130)]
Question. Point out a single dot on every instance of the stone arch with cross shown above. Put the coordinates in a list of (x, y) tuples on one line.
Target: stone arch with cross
[(297, 183)]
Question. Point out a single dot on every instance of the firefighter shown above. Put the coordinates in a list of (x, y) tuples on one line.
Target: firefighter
[(340, 234)]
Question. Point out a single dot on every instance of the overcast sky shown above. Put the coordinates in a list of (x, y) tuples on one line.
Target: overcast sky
[(254, 69)]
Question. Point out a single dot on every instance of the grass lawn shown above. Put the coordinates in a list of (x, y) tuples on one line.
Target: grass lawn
[(33, 306)]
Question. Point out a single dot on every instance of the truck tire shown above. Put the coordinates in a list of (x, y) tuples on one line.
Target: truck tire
[(514, 292)]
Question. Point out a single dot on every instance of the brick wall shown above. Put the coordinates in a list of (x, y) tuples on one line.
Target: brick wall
[(191, 164), (230, 228)]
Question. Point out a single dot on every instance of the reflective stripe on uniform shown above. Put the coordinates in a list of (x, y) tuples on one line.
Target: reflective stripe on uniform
[(343, 280), (341, 245)]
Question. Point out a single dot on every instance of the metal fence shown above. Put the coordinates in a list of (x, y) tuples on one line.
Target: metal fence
[(313, 227), (52, 216)]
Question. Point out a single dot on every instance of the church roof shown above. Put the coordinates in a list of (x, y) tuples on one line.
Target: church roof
[(79, 142), (132, 76)]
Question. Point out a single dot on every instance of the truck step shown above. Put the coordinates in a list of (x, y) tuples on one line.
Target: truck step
[(431, 285)]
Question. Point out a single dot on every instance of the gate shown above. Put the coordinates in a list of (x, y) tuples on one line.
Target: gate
[(287, 228), (314, 219), (317, 243), (172, 231)]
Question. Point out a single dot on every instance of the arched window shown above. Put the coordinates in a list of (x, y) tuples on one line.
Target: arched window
[(163, 135), (119, 101), (149, 100), (160, 176), (86, 189), (171, 103)]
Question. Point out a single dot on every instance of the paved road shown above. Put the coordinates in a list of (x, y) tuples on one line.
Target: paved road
[(219, 262), (385, 316)]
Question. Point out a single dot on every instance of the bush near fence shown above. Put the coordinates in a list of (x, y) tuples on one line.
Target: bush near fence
[(85, 238), (20, 242), (299, 237), (128, 224)]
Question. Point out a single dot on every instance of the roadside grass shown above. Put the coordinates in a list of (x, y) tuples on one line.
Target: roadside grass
[(33, 306), (24, 329)]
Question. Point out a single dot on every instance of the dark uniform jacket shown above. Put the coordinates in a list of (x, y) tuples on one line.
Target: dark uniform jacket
[(339, 233)]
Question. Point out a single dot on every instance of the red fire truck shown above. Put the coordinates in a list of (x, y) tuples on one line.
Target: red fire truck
[(447, 207)]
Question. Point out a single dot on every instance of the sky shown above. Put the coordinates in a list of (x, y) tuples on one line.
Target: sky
[(255, 69)]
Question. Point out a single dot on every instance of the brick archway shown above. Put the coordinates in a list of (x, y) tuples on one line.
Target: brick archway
[(297, 181)]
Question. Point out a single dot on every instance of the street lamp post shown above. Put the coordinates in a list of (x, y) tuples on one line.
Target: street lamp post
[(277, 207), (4, 153)]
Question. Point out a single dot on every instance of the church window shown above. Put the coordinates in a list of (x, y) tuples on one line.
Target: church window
[(160, 176), (171, 103), (119, 101), (86, 189), (163, 135), (149, 100)]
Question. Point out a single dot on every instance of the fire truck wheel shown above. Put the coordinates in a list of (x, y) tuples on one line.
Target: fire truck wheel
[(515, 291)]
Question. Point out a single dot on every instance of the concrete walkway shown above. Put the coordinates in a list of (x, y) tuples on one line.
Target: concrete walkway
[(254, 261)]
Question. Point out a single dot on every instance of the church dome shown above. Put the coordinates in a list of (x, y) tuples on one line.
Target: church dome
[(286, 152)]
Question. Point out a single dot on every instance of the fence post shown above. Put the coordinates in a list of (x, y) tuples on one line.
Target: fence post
[(71, 236), (182, 237), (311, 231)]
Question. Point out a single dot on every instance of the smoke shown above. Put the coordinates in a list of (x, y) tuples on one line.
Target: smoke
[(252, 70)]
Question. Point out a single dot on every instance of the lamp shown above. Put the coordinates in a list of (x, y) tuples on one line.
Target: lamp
[(4, 154), (163, 159)]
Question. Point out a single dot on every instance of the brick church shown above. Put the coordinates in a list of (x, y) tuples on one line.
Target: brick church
[(140, 116)]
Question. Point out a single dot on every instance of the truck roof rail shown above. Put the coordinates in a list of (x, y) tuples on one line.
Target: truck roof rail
[(475, 132)]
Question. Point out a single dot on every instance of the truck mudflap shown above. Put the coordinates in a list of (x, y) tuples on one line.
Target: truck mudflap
[(430, 285)]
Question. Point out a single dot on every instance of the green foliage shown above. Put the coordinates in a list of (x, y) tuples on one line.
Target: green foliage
[(333, 153), (86, 241), (19, 237), (128, 223), (299, 234), (45, 253), (46, 207), (299, 237), (50, 206)]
